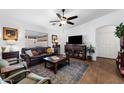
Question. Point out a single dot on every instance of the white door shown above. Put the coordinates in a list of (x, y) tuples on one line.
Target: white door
[(107, 45)]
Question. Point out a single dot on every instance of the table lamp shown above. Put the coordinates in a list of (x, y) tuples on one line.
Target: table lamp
[(11, 43), (56, 42)]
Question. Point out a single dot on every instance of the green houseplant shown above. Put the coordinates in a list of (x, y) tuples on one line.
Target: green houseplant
[(119, 30), (90, 51)]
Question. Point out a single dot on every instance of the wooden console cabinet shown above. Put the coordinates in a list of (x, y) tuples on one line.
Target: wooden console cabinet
[(76, 51), (7, 55), (120, 57), (10, 55), (122, 42)]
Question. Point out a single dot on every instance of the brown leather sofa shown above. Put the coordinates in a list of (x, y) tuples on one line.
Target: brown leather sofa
[(42, 52)]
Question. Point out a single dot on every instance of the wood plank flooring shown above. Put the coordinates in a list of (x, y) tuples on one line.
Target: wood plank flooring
[(103, 71)]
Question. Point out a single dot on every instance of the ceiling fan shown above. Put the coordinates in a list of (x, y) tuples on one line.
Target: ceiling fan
[(63, 20)]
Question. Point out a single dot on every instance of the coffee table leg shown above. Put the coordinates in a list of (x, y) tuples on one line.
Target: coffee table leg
[(55, 68), (68, 61), (45, 64)]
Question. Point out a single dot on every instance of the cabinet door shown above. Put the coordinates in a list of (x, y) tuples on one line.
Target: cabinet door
[(122, 59), (122, 41)]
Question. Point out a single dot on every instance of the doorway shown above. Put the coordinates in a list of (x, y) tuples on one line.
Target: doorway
[(107, 45)]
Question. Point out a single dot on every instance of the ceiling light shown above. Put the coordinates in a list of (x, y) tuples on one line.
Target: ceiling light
[(63, 22)]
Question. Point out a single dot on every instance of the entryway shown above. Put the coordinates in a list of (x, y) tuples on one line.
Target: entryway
[(107, 45)]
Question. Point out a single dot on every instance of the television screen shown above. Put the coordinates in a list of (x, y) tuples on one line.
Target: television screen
[(75, 39)]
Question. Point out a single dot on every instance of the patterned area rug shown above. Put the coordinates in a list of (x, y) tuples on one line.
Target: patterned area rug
[(68, 74)]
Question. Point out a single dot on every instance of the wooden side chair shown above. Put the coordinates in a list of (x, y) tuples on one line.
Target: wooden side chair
[(7, 69), (29, 78)]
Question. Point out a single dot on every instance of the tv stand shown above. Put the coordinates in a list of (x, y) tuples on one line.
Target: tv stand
[(76, 51)]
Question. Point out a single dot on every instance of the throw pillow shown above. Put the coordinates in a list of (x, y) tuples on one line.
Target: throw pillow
[(3, 63), (34, 52), (29, 52), (39, 51), (49, 50)]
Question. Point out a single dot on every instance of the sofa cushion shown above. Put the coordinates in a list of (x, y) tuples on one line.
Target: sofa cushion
[(35, 77), (39, 57), (3, 63), (34, 52), (27, 81), (40, 50), (35, 58)]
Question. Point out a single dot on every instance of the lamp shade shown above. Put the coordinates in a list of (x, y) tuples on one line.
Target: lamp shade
[(56, 41), (63, 22), (11, 42)]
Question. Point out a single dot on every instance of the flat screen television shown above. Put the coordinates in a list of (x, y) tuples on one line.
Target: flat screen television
[(75, 39)]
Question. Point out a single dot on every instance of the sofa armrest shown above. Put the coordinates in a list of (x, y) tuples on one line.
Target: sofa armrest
[(40, 79), (8, 81)]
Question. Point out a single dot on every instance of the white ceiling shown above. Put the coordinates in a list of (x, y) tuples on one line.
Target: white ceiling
[(41, 17)]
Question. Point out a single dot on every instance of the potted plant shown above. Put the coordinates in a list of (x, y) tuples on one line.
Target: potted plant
[(90, 51), (119, 30), (120, 34)]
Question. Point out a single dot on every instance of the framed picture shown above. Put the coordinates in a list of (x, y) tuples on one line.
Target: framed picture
[(54, 38), (10, 33)]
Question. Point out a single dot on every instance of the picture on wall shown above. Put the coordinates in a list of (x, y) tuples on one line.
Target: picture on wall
[(10, 33), (54, 38)]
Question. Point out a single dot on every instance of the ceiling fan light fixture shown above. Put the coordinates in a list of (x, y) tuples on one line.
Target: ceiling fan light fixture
[(63, 22)]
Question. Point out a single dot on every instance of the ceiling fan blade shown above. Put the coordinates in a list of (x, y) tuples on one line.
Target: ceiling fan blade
[(54, 21), (73, 17), (63, 10), (53, 24), (70, 23), (58, 15)]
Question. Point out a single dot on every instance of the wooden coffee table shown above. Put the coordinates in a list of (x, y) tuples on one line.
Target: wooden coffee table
[(57, 62)]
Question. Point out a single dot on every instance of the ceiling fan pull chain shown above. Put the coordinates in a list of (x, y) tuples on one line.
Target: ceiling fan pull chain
[(63, 10)]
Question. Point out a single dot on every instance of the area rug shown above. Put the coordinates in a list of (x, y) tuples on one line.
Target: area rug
[(68, 74)]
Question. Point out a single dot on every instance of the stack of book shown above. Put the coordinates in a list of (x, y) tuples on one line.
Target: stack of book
[(55, 58)]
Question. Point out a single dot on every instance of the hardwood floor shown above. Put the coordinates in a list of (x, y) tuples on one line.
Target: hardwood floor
[(103, 71)]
